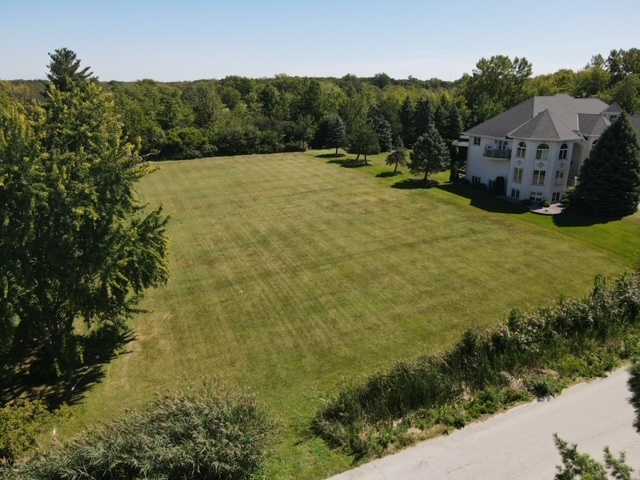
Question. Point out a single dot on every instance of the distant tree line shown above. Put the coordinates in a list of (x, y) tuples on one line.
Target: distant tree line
[(238, 115)]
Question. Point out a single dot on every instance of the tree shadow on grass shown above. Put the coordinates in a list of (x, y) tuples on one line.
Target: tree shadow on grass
[(483, 199), (350, 163), (23, 377), (415, 184), (388, 174), (570, 218), (330, 155)]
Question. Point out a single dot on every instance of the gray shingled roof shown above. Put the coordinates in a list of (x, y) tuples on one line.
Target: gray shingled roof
[(560, 123), (592, 125), (613, 109), (544, 127)]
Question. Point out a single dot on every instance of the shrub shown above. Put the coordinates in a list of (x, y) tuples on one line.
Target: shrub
[(546, 204), (545, 385), (526, 202), (204, 433), (454, 174), (20, 426), (295, 146), (498, 187), (569, 195)]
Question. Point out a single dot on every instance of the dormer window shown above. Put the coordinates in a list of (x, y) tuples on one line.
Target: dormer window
[(564, 149), (542, 153)]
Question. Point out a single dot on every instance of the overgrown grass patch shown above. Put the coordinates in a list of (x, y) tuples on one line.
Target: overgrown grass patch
[(204, 433)]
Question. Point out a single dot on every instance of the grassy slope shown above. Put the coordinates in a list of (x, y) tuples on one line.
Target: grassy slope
[(289, 272)]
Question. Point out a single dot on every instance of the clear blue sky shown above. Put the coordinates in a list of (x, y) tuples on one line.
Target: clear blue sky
[(196, 39)]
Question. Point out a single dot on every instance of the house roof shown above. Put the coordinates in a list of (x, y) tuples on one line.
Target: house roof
[(613, 109), (544, 127), (529, 120), (592, 125)]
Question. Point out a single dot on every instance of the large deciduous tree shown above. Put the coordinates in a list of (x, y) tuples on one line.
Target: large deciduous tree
[(609, 181), (496, 85), (76, 245), (429, 154)]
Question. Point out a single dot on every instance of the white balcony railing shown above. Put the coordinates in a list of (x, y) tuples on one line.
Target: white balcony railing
[(502, 153)]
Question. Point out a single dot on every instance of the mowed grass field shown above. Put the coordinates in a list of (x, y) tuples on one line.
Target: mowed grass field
[(290, 273)]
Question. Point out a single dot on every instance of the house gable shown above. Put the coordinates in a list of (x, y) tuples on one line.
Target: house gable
[(544, 127)]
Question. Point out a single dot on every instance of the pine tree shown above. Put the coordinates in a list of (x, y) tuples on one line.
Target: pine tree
[(336, 133), (424, 117), (382, 127), (609, 181), (407, 118), (429, 154), (64, 70), (398, 156), (455, 124)]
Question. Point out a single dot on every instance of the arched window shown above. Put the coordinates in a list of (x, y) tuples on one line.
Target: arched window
[(542, 153), (521, 152), (564, 148)]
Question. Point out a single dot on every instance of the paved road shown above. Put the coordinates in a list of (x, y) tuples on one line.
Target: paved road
[(518, 444)]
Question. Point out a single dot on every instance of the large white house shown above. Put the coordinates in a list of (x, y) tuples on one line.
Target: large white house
[(537, 146)]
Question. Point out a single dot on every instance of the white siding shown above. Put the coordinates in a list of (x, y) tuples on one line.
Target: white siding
[(485, 168)]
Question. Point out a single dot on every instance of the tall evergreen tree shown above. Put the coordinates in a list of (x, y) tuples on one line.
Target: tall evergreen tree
[(398, 156), (455, 124), (429, 154), (407, 118), (336, 133), (382, 128), (65, 72), (609, 181), (441, 120), (424, 117)]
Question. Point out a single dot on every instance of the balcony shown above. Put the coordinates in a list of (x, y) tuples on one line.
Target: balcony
[(504, 153)]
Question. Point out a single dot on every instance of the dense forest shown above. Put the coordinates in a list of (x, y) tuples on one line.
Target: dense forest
[(239, 115)]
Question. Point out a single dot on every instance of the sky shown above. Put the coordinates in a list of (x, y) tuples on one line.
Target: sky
[(199, 39)]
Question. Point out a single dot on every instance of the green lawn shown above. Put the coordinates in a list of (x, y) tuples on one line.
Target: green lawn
[(290, 272)]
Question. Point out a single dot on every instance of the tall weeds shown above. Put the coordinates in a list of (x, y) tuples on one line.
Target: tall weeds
[(534, 352), (206, 433)]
